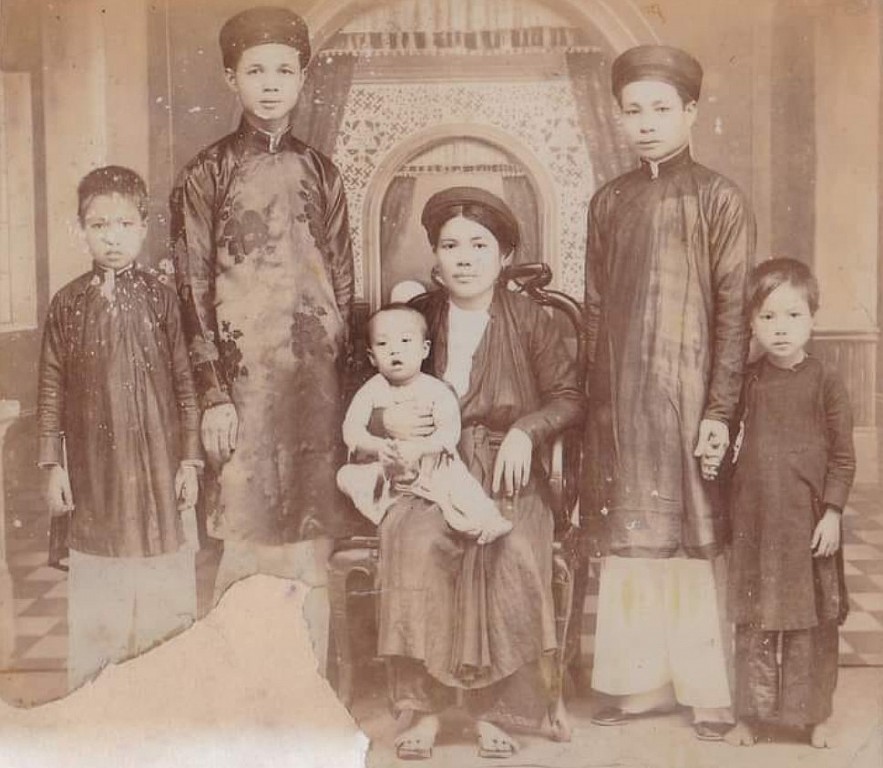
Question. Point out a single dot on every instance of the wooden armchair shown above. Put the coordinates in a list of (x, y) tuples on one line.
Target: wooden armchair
[(356, 558)]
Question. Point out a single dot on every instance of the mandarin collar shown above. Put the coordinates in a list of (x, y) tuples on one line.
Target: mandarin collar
[(656, 168), (255, 137), (790, 369), (103, 272)]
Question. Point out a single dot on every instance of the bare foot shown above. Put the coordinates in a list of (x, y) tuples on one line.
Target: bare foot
[(559, 722), (416, 742), (823, 735), (494, 530), (741, 736), (494, 741)]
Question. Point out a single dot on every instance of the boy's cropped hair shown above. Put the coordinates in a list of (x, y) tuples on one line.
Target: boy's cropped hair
[(773, 273), (110, 180), (261, 25), (396, 306)]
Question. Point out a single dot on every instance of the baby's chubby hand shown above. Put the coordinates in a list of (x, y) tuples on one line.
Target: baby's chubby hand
[(409, 452), (388, 452)]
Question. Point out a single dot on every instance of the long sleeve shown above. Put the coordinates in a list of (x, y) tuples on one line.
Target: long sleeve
[(193, 250), (182, 380), (731, 245), (554, 368), (340, 249), (840, 469), (593, 279), (50, 394)]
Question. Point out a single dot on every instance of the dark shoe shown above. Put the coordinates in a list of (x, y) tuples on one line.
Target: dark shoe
[(612, 716), (711, 731)]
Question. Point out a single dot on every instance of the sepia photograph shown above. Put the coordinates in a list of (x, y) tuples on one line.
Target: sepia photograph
[(444, 382)]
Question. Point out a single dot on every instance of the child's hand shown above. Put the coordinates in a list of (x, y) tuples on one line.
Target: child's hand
[(388, 452), (186, 486), (826, 536), (709, 466), (59, 497), (219, 430)]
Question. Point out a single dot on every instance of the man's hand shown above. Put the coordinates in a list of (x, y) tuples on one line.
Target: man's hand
[(219, 432), (714, 438), (58, 491), (186, 486), (826, 536)]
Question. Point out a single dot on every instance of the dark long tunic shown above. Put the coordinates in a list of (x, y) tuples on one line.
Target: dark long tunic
[(669, 250), (796, 458), (474, 615), (265, 273), (116, 382)]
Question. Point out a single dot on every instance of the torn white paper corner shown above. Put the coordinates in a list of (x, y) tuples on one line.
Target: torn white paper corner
[(238, 688)]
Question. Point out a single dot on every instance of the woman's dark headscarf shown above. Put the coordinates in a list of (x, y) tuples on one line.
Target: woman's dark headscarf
[(475, 204)]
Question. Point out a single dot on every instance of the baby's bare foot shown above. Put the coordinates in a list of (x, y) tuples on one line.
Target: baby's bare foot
[(493, 531)]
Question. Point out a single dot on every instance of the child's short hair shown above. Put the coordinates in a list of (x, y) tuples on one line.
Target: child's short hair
[(773, 273), (111, 180), (397, 306)]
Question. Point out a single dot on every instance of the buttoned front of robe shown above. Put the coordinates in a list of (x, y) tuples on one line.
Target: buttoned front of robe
[(670, 247), (265, 275)]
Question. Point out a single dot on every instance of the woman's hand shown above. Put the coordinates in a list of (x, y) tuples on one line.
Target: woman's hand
[(219, 431), (408, 420), (512, 467), (826, 536), (58, 491)]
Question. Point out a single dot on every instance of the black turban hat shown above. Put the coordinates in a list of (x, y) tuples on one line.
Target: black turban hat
[(474, 203), (658, 62), (267, 24)]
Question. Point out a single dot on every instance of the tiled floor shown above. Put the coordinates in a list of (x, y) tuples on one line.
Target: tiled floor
[(861, 636), (40, 592)]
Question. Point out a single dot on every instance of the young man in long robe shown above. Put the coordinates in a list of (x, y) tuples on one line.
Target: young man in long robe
[(265, 276), (670, 245)]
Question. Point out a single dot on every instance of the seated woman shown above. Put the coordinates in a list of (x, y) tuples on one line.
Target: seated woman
[(455, 614)]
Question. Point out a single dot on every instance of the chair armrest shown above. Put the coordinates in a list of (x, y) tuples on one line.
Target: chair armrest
[(556, 472), (564, 477)]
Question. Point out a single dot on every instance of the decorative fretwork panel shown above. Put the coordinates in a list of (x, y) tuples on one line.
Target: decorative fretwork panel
[(540, 116)]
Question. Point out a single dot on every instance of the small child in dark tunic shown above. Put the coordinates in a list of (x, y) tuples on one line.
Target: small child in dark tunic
[(116, 392), (794, 467)]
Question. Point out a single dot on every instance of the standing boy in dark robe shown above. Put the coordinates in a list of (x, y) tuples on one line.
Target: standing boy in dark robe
[(119, 435), (265, 276), (670, 245)]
